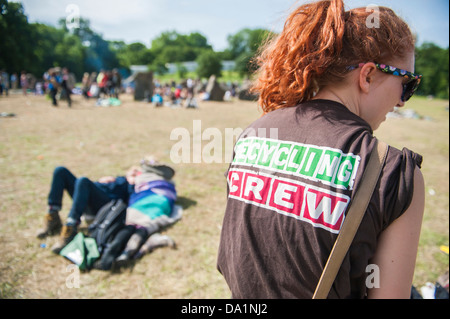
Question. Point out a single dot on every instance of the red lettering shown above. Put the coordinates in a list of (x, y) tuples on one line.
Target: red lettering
[(319, 207), (235, 179), (256, 188), (324, 209), (287, 197)]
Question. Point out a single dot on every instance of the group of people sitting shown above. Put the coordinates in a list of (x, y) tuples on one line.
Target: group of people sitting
[(181, 95), (149, 192), (107, 83)]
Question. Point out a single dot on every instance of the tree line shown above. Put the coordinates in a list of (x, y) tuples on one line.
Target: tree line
[(36, 47)]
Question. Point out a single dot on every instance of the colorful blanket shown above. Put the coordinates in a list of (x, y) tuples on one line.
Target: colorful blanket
[(152, 205)]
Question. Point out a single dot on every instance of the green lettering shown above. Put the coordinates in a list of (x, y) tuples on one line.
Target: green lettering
[(310, 163), (295, 159), (253, 151), (240, 150), (322, 164), (345, 171), (328, 166), (266, 152), (281, 155)]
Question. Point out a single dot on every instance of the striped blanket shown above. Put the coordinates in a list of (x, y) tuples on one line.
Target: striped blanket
[(151, 205)]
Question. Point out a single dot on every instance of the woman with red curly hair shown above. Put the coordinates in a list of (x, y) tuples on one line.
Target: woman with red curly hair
[(325, 83)]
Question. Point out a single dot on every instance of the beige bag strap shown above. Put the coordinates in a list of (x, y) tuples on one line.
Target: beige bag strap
[(352, 220)]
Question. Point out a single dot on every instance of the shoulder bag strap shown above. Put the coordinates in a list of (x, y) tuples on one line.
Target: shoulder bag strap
[(352, 220)]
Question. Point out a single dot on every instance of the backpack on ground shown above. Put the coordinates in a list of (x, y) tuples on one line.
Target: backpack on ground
[(108, 221)]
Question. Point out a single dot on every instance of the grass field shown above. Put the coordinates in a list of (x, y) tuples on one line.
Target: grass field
[(97, 141)]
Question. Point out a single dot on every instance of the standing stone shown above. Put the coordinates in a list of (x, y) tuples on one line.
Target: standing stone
[(143, 86), (214, 90)]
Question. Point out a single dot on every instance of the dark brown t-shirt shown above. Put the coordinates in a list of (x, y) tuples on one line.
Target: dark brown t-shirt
[(292, 179)]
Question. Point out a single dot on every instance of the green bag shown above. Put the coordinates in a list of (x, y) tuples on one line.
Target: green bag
[(82, 251)]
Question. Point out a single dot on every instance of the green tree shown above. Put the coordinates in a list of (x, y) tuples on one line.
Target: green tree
[(45, 39), (70, 53), (175, 39), (209, 63), (16, 42), (197, 40), (432, 62), (36, 47), (99, 53), (181, 71), (173, 47), (134, 54), (244, 45)]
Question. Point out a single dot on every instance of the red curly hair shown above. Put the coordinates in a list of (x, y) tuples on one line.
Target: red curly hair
[(318, 43)]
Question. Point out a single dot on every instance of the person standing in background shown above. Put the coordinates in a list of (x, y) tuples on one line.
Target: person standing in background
[(24, 82)]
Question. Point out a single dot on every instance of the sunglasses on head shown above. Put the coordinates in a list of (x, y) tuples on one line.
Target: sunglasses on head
[(409, 87)]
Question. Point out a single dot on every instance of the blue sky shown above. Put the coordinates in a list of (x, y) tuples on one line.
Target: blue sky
[(143, 20)]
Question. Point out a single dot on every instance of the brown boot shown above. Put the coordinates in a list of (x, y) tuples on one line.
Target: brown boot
[(52, 225), (67, 234)]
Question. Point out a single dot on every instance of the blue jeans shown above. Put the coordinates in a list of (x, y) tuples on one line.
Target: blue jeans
[(86, 195)]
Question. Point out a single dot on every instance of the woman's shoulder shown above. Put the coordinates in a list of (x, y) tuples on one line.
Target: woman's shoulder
[(403, 157), (397, 181)]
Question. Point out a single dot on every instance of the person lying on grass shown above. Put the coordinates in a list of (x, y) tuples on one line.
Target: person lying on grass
[(88, 196)]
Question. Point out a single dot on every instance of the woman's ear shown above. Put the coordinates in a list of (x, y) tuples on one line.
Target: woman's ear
[(366, 76)]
